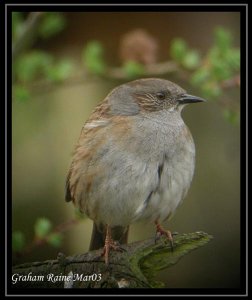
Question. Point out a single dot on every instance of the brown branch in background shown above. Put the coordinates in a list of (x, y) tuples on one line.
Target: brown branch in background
[(27, 34), (157, 69), (66, 225), (154, 70)]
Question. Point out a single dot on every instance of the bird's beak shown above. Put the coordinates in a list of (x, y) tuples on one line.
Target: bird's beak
[(186, 98)]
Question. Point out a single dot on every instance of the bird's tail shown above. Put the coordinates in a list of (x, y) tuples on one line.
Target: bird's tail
[(119, 234)]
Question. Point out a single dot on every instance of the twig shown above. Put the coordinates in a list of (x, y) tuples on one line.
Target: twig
[(156, 69), (27, 34), (115, 73)]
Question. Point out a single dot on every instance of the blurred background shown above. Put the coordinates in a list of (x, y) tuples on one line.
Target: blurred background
[(64, 64)]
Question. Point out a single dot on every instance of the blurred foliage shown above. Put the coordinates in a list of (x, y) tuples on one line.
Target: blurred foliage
[(43, 234), (60, 71), (42, 227), (208, 73), (178, 49), (18, 241), (189, 59), (221, 63), (21, 93), (133, 69), (55, 239), (39, 64), (52, 24), (32, 64), (93, 59)]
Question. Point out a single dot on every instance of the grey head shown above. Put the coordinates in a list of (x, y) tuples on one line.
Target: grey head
[(148, 95)]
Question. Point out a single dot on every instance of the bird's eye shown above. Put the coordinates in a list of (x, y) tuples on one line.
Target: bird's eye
[(161, 95)]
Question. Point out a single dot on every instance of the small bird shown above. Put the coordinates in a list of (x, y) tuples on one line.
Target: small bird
[(134, 160)]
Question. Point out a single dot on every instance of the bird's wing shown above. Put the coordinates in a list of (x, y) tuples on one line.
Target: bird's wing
[(96, 122), (91, 135)]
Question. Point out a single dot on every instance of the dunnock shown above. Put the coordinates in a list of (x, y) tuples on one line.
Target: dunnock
[(134, 160)]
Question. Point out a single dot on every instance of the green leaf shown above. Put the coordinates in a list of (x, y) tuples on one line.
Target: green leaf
[(200, 76), (92, 57), (178, 49), (223, 39), (32, 65), (214, 55), (55, 239), (18, 241), (233, 58), (211, 90), (133, 69), (93, 49), (221, 71), (191, 60), (21, 93), (51, 24), (42, 227), (60, 71)]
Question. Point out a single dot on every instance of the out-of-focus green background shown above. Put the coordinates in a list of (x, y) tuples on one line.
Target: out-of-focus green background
[(46, 127)]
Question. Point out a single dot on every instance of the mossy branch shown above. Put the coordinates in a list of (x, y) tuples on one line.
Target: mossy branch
[(134, 268)]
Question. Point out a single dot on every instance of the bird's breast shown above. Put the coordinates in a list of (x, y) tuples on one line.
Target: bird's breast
[(174, 171), (145, 171)]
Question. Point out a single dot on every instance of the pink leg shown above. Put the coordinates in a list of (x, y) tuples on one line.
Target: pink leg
[(161, 231), (109, 244)]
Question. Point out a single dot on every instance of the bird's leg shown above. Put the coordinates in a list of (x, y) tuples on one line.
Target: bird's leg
[(161, 231), (109, 244)]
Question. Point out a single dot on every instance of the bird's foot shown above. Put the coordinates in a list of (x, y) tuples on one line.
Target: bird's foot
[(160, 231), (110, 244)]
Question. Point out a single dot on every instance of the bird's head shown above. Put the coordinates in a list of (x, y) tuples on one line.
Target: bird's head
[(149, 95)]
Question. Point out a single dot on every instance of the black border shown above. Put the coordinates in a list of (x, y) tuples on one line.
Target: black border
[(136, 8)]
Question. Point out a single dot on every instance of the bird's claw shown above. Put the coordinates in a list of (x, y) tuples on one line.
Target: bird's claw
[(111, 245), (162, 232), (118, 247)]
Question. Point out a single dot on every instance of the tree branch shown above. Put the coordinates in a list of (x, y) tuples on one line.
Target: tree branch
[(157, 69), (27, 34), (134, 268)]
